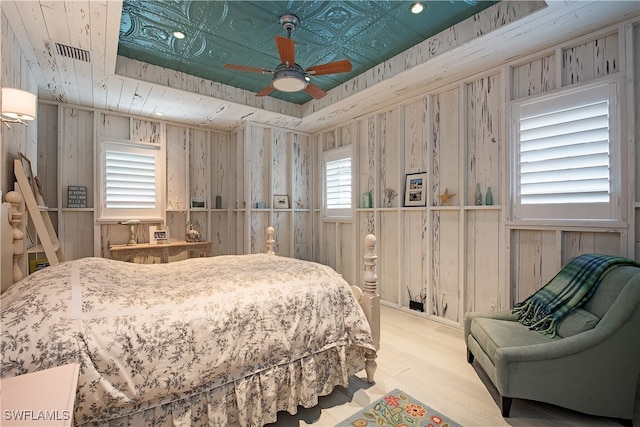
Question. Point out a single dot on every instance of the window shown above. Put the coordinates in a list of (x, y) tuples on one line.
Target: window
[(563, 162), (337, 183), (131, 184)]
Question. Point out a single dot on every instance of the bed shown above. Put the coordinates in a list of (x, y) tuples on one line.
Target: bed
[(217, 341)]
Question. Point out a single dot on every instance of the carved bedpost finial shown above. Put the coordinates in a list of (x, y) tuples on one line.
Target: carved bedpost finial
[(370, 277), (270, 240), (15, 219), (371, 301)]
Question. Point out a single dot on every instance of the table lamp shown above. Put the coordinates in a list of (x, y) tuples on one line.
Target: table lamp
[(132, 230)]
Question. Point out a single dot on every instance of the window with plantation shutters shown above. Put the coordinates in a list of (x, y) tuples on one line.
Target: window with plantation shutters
[(338, 183), (563, 158), (131, 184)]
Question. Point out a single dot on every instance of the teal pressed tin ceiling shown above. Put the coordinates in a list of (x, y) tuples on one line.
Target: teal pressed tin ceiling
[(242, 33)]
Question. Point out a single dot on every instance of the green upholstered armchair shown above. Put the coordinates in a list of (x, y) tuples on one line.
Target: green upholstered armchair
[(590, 366)]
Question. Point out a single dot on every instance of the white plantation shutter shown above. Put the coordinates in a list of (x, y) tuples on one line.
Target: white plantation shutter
[(130, 181), (131, 184), (338, 182), (564, 155)]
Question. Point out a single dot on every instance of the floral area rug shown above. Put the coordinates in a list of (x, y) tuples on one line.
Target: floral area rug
[(398, 409)]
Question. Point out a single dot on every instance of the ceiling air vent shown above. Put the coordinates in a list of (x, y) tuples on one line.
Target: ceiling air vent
[(73, 52)]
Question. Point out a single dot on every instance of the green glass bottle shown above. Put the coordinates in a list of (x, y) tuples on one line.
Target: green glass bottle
[(477, 199), (489, 197)]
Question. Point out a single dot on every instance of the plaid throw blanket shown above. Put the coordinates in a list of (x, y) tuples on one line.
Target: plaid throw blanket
[(568, 290)]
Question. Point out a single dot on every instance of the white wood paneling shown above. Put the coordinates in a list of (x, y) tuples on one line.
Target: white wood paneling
[(445, 145), (301, 158), (414, 256), (344, 259), (260, 145), (389, 157), (73, 224), (482, 255), (445, 280), (176, 171), (47, 161), (367, 161), (221, 180), (146, 131), (280, 166), (534, 77), (483, 139), (535, 261), (76, 167), (303, 235), (387, 232), (416, 134), (199, 172), (581, 242), (590, 60)]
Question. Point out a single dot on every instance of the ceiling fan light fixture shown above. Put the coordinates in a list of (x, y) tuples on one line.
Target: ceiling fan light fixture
[(289, 80), (417, 7)]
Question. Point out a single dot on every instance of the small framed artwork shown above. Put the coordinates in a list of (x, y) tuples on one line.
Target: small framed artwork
[(280, 201), (366, 200), (415, 189), (158, 235), (198, 202)]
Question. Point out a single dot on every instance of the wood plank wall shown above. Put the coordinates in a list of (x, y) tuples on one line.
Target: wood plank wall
[(455, 258), (465, 257)]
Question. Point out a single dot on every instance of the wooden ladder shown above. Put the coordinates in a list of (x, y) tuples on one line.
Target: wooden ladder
[(38, 212)]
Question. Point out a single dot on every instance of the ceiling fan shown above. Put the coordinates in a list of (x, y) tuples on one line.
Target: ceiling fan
[(289, 76)]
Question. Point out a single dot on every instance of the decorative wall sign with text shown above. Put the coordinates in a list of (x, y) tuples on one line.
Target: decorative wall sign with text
[(76, 196)]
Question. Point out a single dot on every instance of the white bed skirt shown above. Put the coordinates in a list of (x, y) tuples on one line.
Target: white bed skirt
[(255, 400)]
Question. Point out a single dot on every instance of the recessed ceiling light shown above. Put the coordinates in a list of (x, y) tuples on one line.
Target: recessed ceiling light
[(417, 7), (158, 113), (178, 34)]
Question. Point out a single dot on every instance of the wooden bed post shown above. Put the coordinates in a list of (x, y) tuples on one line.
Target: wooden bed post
[(370, 302), (270, 240), (12, 240)]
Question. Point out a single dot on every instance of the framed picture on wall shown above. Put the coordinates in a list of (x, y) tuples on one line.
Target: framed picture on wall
[(415, 189), (280, 201), (198, 202)]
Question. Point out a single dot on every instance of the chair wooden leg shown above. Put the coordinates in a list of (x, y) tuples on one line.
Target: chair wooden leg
[(470, 356), (506, 406)]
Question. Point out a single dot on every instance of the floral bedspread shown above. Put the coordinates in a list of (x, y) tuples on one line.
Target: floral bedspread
[(149, 334)]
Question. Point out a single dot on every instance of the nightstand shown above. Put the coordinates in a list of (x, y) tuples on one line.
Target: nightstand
[(44, 398)]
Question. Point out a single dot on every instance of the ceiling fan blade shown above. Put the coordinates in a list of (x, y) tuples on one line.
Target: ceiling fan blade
[(315, 91), (286, 49), (266, 91), (243, 68), (343, 66)]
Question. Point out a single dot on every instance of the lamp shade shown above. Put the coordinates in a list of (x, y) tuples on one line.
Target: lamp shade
[(18, 104)]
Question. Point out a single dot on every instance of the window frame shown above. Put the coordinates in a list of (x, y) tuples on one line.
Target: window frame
[(562, 213), (336, 154), (105, 214)]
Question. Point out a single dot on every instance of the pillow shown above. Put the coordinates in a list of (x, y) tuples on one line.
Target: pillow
[(576, 322)]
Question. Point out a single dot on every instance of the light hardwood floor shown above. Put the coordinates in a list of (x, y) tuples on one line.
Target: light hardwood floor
[(427, 360)]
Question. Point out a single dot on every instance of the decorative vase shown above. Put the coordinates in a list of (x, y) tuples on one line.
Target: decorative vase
[(192, 234), (477, 200), (489, 197)]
